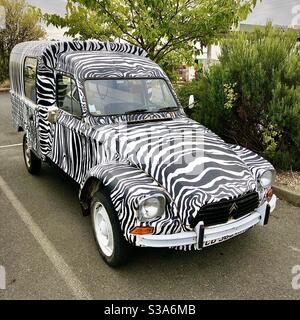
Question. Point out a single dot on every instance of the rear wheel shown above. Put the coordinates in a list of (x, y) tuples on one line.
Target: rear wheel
[(111, 243), (32, 162)]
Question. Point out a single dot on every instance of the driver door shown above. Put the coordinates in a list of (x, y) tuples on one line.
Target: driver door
[(69, 141)]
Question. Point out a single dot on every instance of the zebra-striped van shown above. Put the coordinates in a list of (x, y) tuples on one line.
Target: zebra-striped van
[(149, 176)]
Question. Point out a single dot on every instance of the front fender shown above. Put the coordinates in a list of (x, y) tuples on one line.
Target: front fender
[(257, 164), (127, 185)]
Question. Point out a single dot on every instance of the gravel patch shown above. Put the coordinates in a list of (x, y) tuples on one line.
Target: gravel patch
[(289, 179)]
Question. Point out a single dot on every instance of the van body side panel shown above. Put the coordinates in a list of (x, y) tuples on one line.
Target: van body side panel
[(17, 101), (25, 116), (46, 98), (69, 146), (18, 111), (24, 111)]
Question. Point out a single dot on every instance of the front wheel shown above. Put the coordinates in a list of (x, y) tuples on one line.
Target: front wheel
[(111, 243), (32, 162)]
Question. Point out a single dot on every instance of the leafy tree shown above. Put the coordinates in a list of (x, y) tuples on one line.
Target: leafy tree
[(161, 27), (252, 97), (21, 24)]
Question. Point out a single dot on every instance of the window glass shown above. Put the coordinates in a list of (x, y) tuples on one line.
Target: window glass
[(30, 78), (67, 95), (124, 96), (159, 93)]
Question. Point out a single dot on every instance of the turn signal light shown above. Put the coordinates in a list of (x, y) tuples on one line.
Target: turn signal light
[(142, 230), (270, 193)]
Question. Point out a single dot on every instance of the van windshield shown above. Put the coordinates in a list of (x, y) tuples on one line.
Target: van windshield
[(126, 96)]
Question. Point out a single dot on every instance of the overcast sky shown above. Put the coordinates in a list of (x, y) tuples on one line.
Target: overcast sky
[(282, 12)]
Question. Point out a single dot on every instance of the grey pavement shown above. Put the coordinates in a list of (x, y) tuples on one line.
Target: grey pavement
[(255, 265)]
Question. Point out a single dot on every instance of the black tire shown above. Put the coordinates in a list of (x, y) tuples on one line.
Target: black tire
[(121, 248), (32, 162)]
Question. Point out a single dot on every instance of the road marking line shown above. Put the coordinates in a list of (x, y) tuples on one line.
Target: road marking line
[(11, 145), (57, 260)]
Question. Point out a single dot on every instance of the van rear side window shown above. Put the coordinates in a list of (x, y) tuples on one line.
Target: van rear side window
[(30, 78)]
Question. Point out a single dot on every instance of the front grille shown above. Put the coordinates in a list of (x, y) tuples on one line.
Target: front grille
[(220, 212)]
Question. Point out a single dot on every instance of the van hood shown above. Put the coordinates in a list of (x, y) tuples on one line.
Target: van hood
[(184, 157)]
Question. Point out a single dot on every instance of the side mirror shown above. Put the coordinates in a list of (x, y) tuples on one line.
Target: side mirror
[(191, 101), (52, 114)]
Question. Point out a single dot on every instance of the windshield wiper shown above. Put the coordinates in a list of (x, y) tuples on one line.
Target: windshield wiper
[(154, 110), (136, 111), (167, 109)]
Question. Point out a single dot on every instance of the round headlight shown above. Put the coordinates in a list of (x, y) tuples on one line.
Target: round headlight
[(151, 207), (267, 179)]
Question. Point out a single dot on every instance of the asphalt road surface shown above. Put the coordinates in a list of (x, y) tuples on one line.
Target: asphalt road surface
[(48, 251)]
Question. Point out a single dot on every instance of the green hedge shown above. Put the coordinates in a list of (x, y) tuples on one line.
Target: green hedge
[(252, 97)]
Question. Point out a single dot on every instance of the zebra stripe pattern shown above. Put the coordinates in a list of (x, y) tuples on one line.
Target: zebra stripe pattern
[(133, 155)]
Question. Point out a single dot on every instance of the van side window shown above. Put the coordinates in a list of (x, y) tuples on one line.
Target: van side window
[(67, 95), (30, 78)]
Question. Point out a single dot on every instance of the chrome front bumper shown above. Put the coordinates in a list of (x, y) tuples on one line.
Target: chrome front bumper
[(204, 237)]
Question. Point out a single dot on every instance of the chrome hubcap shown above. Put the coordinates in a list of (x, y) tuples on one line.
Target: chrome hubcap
[(103, 229)]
